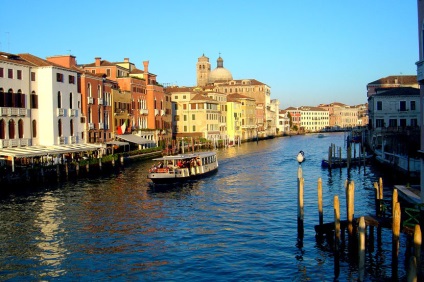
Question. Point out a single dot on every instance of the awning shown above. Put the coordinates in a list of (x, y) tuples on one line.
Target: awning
[(34, 151), (135, 139), (115, 142)]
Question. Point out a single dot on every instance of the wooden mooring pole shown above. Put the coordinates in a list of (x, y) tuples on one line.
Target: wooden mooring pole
[(361, 249), (395, 239), (336, 236), (320, 209)]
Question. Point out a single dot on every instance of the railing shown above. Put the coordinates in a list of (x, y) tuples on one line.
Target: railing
[(162, 112), (100, 101), (156, 112), (90, 126), (61, 140), (73, 113), (90, 100), (144, 111), (60, 112), (101, 125), (73, 139)]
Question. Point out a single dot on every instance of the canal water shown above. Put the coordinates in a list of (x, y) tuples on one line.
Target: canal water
[(238, 225)]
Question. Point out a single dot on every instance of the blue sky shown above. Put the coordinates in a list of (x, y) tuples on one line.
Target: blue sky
[(307, 51)]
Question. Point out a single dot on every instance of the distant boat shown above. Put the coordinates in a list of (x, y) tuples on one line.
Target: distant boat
[(183, 167), (320, 135)]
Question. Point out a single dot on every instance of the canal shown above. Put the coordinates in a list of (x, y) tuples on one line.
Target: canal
[(238, 225)]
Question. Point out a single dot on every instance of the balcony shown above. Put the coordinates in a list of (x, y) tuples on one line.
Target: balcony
[(162, 112), (60, 112), (90, 100), (156, 112), (91, 126), (100, 101), (101, 125), (61, 140), (73, 139), (73, 113), (144, 111), (14, 112)]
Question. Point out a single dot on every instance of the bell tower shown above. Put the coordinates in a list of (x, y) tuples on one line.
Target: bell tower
[(203, 68)]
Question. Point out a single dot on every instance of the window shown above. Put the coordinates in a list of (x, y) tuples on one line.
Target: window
[(71, 79), (412, 105), (185, 128), (11, 129), (379, 105), (402, 122), (59, 77), (176, 118), (414, 122), (34, 101), (193, 117), (19, 74), (1, 72), (10, 73), (379, 122), (70, 100), (59, 127), (71, 125), (34, 128), (392, 122), (21, 129), (402, 106), (185, 117), (32, 76), (59, 100), (2, 129), (194, 128)]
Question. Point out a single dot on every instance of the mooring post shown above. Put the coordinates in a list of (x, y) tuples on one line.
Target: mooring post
[(87, 167), (77, 166), (330, 154), (350, 206), (417, 246), (412, 270), (300, 212), (361, 238), (336, 236), (395, 199), (100, 164), (395, 239), (320, 209)]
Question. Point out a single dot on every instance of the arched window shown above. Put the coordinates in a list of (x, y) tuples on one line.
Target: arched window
[(1, 97), (70, 100), (2, 129), (8, 99), (89, 90), (11, 129), (71, 126), (21, 129), (99, 91), (59, 100), (34, 128), (34, 100), (59, 127)]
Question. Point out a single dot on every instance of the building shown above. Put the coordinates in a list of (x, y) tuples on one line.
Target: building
[(341, 115), (420, 79), (392, 81), (398, 107), (309, 119), (248, 116), (221, 80)]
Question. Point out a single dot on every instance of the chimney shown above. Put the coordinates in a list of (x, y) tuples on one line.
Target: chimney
[(146, 67), (97, 63), (126, 60)]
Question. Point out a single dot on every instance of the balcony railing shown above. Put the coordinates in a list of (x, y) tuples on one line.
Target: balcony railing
[(90, 126), (61, 140), (100, 101), (90, 100), (162, 112), (156, 112), (60, 112), (101, 125), (73, 139), (6, 111), (144, 111), (73, 113)]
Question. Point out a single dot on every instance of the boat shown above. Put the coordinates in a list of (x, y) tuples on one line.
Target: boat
[(320, 135), (183, 167)]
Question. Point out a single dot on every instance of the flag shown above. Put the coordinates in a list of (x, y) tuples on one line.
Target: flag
[(123, 127)]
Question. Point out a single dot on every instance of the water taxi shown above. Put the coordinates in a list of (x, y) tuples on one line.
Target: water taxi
[(182, 167)]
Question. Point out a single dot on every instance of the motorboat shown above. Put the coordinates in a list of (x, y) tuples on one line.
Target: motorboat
[(183, 167)]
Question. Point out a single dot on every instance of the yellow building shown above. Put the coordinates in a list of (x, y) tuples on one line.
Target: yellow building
[(194, 114), (248, 115), (234, 117)]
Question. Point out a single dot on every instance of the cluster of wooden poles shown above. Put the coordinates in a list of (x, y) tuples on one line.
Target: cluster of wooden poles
[(335, 156), (357, 229)]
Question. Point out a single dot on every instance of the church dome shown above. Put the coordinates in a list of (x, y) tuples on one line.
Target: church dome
[(220, 73)]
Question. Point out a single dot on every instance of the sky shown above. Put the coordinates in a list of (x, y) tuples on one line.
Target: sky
[(308, 51)]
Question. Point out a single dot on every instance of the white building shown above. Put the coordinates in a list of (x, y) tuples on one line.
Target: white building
[(15, 119), (56, 115), (398, 107)]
